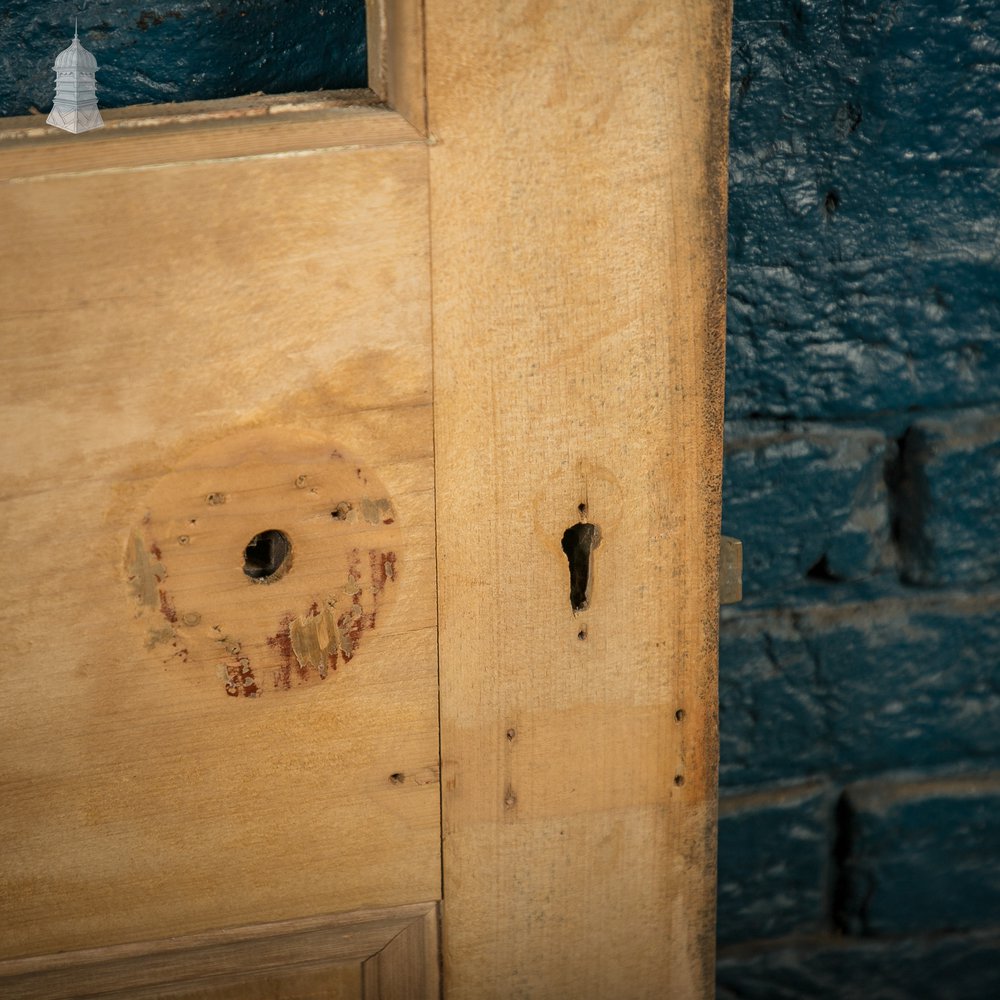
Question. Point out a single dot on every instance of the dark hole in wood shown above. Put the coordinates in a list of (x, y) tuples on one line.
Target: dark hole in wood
[(266, 553), (578, 542)]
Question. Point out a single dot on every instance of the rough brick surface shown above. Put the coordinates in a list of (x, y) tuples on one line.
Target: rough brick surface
[(774, 851), (184, 50), (864, 225), (948, 500), (950, 968), (806, 502), (920, 856), (850, 691)]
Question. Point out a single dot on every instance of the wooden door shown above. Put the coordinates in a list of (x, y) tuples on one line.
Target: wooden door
[(361, 500)]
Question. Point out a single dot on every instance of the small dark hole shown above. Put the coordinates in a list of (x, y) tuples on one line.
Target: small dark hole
[(397, 778), (831, 203), (266, 554), (511, 733), (820, 570), (582, 508), (679, 715), (679, 780), (340, 512), (582, 634)]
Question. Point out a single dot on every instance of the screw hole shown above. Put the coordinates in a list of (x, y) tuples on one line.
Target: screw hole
[(266, 555), (679, 715)]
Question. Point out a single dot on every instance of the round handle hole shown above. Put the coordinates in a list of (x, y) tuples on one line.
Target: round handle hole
[(267, 555)]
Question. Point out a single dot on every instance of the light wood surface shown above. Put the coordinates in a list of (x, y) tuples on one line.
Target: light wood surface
[(254, 327), (578, 260), (396, 57), (388, 954)]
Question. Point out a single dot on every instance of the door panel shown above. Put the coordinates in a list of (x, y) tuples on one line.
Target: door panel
[(196, 352), (366, 955)]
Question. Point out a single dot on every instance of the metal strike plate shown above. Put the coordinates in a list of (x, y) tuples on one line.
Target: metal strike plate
[(730, 570)]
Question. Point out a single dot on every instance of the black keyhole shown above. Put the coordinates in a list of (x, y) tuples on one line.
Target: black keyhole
[(266, 554), (578, 542)]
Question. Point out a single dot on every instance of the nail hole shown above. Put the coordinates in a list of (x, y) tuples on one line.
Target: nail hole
[(582, 634), (398, 778), (578, 542), (679, 715), (679, 780), (266, 554), (214, 499), (340, 512), (511, 733), (582, 508)]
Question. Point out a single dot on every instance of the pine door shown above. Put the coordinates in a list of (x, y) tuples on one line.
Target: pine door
[(360, 508)]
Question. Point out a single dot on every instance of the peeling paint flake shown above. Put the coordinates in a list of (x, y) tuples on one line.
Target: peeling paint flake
[(377, 511), (144, 575)]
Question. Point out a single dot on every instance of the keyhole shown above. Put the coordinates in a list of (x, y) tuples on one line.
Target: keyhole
[(578, 542), (266, 555)]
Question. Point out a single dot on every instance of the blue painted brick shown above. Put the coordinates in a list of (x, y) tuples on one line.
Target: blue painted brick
[(863, 266), (949, 500), (806, 500), (854, 690), (773, 854), (859, 337), (965, 967), (773, 722), (921, 856), (185, 50)]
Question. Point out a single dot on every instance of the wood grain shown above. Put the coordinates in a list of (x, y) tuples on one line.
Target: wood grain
[(315, 958), (150, 319), (578, 261), (396, 57), (202, 131)]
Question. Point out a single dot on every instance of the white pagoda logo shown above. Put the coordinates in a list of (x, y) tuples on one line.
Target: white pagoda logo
[(75, 106)]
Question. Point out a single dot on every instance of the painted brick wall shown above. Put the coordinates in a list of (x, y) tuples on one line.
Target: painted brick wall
[(859, 853), (182, 50)]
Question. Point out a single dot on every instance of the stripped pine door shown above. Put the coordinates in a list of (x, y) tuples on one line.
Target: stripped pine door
[(361, 499)]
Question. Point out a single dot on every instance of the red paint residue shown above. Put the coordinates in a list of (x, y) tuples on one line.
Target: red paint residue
[(167, 608), (383, 568), (155, 549), (240, 679), (282, 642)]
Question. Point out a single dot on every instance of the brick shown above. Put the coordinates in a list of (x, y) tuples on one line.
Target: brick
[(948, 497), (863, 230), (851, 691), (920, 856), (773, 853), (185, 51), (772, 719), (846, 339), (806, 502), (965, 967)]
